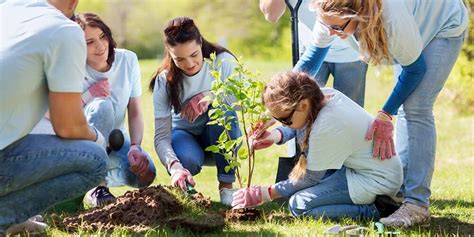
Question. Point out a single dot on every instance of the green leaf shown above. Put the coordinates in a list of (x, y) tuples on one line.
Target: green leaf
[(213, 148)]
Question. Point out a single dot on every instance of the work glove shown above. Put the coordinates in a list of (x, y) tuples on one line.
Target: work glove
[(138, 160), (251, 197), (381, 130), (180, 177), (196, 106), (259, 128), (99, 89), (266, 139)]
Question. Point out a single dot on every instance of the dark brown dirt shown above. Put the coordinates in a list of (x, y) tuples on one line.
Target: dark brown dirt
[(246, 214), (142, 210)]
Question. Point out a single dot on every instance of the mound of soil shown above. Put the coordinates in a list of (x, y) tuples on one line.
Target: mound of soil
[(141, 210), (246, 214)]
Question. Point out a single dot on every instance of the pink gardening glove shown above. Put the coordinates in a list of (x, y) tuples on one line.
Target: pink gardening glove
[(250, 197), (99, 89), (266, 139), (195, 106), (181, 177), (261, 127), (139, 163), (381, 130)]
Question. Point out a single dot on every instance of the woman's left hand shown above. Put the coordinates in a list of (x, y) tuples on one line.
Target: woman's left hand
[(196, 106), (381, 130), (251, 197)]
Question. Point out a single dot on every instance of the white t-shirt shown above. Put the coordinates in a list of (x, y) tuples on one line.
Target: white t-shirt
[(338, 138), (192, 85), (124, 81), (410, 26), (41, 50), (340, 52)]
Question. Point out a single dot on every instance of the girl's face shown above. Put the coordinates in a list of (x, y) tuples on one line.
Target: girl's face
[(97, 48), (187, 57), (336, 25), (294, 118)]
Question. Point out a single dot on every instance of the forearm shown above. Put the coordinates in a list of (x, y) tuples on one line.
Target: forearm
[(67, 117), (272, 9), (162, 139), (409, 79), (135, 124), (288, 187), (287, 134), (311, 60)]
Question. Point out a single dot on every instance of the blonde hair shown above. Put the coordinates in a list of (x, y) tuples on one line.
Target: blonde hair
[(284, 91), (373, 40)]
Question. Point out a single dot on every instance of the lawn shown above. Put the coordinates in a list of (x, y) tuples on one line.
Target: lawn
[(452, 187)]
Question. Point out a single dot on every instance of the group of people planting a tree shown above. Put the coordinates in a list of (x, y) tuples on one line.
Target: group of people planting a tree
[(347, 158)]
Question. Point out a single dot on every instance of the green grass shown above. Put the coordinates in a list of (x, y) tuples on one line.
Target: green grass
[(452, 187)]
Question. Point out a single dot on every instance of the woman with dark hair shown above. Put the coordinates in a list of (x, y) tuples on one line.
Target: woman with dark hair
[(112, 89), (179, 85), (336, 175)]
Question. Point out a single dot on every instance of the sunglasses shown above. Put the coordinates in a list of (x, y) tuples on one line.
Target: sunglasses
[(337, 28), (287, 120)]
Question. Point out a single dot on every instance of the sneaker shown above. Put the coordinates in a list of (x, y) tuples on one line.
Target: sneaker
[(29, 226), (226, 196), (408, 215), (386, 205), (98, 197)]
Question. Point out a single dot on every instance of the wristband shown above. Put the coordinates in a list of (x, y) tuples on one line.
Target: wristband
[(389, 115)]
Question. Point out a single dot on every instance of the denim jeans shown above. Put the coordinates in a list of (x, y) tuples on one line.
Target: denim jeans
[(415, 129), (40, 170), (189, 148), (349, 78), (100, 114), (330, 199)]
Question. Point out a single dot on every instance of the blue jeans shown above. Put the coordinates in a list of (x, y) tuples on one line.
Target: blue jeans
[(415, 129), (189, 148), (39, 171), (330, 199), (349, 78), (100, 114)]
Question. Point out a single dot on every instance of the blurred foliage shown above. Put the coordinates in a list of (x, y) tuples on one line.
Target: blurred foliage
[(241, 27)]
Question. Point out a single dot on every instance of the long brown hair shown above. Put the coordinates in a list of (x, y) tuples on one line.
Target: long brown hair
[(180, 30), (369, 13), (285, 91), (93, 20)]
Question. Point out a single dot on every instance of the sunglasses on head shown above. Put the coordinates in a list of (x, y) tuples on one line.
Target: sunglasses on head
[(337, 28), (287, 120)]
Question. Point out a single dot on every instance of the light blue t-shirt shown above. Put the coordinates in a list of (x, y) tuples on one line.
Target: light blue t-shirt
[(340, 52), (410, 26), (192, 86), (337, 138), (124, 81), (41, 50)]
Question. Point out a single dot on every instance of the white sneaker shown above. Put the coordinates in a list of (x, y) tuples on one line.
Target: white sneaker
[(29, 226), (408, 215), (226, 196)]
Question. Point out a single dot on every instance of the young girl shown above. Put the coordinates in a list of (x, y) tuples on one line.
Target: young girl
[(424, 39), (179, 85), (336, 174), (112, 89)]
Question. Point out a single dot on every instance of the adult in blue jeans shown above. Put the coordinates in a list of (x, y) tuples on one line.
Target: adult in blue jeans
[(112, 90), (336, 175), (38, 171), (179, 85), (342, 61), (423, 39)]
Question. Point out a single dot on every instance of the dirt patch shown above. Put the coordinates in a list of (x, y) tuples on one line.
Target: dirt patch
[(144, 209), (246, 214)]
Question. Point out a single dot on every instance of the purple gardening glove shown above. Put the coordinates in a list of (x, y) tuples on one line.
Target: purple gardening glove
[(381, 130), (196, 106), (181, 177), (251, 197), (138, 160)]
